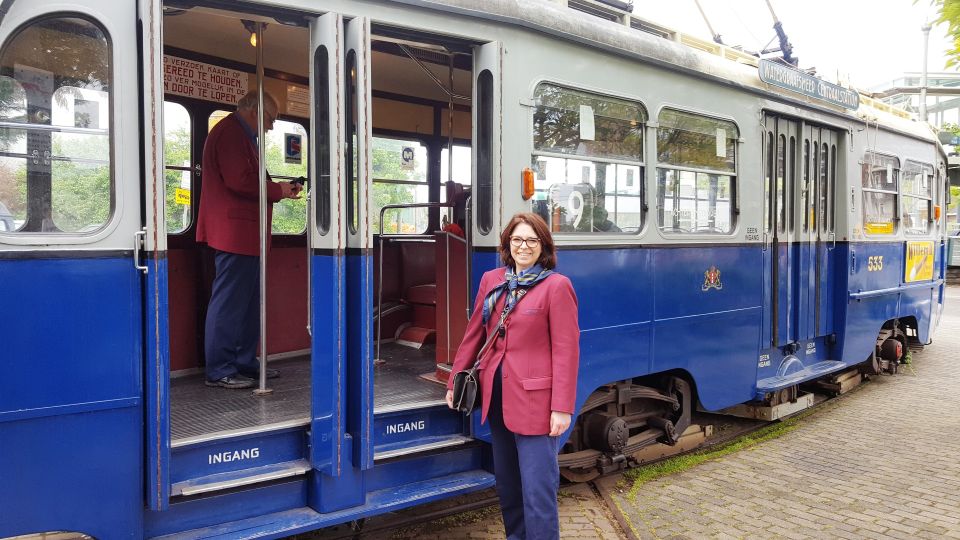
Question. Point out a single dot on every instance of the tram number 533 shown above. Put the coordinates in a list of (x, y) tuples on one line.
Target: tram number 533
[(875, 263)]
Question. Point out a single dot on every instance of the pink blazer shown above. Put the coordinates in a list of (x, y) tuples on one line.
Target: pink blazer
[(540, 353), (229, 218)]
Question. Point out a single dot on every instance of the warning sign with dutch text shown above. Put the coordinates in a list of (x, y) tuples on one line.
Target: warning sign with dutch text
[(182, 77)]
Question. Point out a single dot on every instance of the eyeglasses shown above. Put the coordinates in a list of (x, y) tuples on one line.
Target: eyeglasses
[(517, 241)]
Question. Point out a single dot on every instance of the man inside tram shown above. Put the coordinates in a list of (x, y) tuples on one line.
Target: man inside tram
[(229, 222)]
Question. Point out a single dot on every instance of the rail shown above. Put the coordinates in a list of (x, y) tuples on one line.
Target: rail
[(421, 237), (860, 295)]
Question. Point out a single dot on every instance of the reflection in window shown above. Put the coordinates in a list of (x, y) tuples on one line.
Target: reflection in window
[(880, 178), (916, 185), (178, 173), (399, 177), (696, 173), (55, 171), (573, 122), (588, 161)]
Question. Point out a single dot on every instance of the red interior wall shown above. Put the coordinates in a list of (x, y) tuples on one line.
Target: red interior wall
[(191, 273)]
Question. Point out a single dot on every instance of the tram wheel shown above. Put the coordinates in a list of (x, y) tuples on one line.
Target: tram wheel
[(579, 475)]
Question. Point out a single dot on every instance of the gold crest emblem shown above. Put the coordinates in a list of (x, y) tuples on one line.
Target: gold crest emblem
[(711, 279)]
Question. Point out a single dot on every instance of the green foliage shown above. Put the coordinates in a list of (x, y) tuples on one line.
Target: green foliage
[(949, 12)]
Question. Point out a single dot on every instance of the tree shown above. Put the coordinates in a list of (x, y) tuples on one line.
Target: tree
[(949, 13)]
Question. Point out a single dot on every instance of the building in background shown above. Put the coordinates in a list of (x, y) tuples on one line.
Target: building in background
[(943, 96)]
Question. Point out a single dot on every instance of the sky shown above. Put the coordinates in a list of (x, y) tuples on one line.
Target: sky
[(860, 42)]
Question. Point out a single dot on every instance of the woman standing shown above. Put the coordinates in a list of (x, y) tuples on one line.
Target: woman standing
[(528, 376)]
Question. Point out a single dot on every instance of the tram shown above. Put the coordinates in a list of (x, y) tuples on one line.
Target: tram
[(733, 228)]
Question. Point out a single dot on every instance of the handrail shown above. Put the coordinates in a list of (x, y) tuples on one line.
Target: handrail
[(383, 211), (860, 295)]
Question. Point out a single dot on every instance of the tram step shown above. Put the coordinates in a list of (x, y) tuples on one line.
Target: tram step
[(428, 444), (243, 477), (401, 431), (301, 520), (819, 369)]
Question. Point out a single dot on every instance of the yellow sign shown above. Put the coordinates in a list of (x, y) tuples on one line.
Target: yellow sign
[(878, 227), (182, 196), (919, 265)]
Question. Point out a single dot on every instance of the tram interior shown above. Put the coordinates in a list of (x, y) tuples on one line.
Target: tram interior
[(422, 289)]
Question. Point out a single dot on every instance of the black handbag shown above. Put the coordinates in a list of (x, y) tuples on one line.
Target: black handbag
[(466, 383), (466, 389)]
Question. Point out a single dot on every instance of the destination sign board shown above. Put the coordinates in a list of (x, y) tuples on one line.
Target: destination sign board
[(792, 79)]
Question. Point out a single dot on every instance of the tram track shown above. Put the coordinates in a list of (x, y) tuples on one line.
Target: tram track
[(472, 508)]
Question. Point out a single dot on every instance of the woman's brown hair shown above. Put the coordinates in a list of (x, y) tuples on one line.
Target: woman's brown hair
[(548, 252)]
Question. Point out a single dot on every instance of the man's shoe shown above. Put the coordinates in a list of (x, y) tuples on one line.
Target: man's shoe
[(271, 374), (233, 382)]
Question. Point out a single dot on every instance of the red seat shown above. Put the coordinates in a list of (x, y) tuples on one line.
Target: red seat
[(422, 294)]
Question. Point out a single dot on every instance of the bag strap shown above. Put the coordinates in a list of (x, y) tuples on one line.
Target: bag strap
[(503, 318)]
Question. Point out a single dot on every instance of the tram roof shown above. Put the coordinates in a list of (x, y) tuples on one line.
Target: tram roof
[(656, 44)]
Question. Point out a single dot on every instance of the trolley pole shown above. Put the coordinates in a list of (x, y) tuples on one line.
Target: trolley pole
[(923, 73)]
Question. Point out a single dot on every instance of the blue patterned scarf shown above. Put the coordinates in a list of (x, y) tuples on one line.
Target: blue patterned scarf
[(511, 282)]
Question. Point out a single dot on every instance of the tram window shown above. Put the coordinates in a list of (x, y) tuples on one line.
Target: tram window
[(178, 172), (56, 170), (768, 183), (588, 196), (880, 178), (462, 156), (792, 184), (485, 151), (353, 156), (587, 125), (599, 187), (289, 215), (399, 177), (916, 188), (322, 113), (806, 193), (781, 183), (696, 173)]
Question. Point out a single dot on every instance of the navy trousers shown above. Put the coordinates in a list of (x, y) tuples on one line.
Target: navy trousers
[(233, 317), (527, 476)]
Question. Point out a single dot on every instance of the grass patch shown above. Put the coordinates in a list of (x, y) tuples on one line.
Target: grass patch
[(642, 475)]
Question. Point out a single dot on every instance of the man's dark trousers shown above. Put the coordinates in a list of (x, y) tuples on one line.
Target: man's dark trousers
[(527, 476), (233, 317)]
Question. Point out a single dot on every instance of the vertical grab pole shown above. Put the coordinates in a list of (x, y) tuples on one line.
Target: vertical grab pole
[(264, 229)]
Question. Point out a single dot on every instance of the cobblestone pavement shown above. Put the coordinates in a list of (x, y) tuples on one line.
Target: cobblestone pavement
[(880, 462)]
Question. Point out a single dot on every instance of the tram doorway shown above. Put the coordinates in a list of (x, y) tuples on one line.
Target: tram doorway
[(367, 281)]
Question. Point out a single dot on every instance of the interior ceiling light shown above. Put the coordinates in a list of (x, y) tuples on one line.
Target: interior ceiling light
[(251, 27)]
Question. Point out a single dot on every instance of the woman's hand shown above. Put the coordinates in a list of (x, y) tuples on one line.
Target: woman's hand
[(450, 398), (559, 422)]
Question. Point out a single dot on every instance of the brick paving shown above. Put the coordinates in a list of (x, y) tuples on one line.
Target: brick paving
[(880, 462)]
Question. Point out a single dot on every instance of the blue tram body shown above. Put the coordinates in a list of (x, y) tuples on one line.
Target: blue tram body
[(717, 262)]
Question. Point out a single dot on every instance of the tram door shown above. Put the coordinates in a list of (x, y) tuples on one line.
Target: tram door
[(820, 176), (71, 398), (359, 288), (785, 269), (800, 170), (327, 241)]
